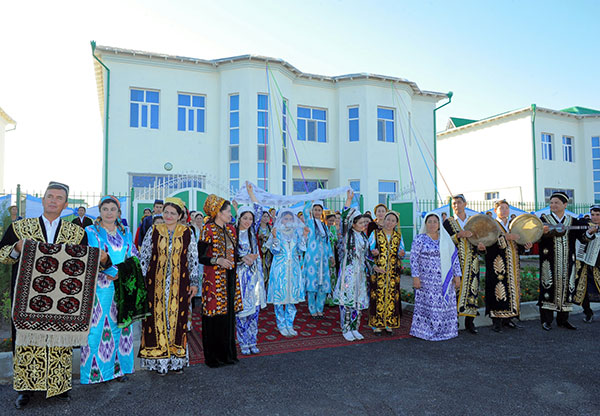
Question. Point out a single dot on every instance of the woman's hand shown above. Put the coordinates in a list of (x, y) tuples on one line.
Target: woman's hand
[(456, 281), (306, 231), (379, 269), (224, 263), (416, 283), (375, 252), (528, 246), (401, 253), (250, 190), (274, 232), (192, 291), (112, 278), (103, 257), (349, 197), (464, 234)]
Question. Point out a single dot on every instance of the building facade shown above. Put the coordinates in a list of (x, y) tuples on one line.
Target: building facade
[(524, 155), (6, 124), (260, 119)]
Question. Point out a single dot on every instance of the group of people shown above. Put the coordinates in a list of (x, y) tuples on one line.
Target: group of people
[(239, 265)]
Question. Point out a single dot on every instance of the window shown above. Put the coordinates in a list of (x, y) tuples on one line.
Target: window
[(262, 123), (353, 124), (234, 142), (191, 112), (385, 125), (596, 167), (549, 191), (284, 149), (546, 146), (490, 196), (143, 108), (311, 184), (312, 124), (386, 189), (355, 185), (567, 149)]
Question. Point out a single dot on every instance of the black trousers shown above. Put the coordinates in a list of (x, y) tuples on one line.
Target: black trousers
[(218, 332), (547, 316), (587, 309)]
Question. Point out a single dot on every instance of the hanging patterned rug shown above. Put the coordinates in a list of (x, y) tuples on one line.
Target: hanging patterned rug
[(312, 333), (54, 294)]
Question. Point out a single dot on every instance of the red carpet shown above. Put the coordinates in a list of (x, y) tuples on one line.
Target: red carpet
[(312, 333)]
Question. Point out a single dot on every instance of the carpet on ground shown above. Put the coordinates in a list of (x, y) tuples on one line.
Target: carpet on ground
[(313, 333)]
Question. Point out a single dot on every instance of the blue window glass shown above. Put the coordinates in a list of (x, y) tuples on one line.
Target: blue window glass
[(597, 175), (385, 113), (262, 119), (389, 131), (154, 117), (283, 188), (234, 119), (200, 120), (596, 153), (322, 132), (318, 114), (353, 130), (152, 97), (596, 186), (355, 185), (197, 101), (284, 172), (234, 154), (387, 187), (234, 136), (596, 164), (190, 119), (137, 95), (311, 133), (234, 185), (301, 129), (284, 138), (181, 119), (596, 141), (303, 112), (262, 102), (284, 109), (262, 136), (596, 198), (263, 170), (134, 113), (353, 112), (298, 186), (183, 99), (144, 115), (234, 170), (234, 102), (381, 130)]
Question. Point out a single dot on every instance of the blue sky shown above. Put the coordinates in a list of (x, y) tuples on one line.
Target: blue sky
[(494, 55)]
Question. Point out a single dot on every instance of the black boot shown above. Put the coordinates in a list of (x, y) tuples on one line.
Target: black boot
[(470, 326), (497, 324), (23, 399)]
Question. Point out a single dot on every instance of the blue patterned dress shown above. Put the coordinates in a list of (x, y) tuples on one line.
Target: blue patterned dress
[(434, 319), (109, 351)]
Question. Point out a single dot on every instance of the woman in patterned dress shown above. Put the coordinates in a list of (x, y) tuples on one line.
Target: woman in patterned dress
[(263, 234), (436, 273), (169, 260), (109, 351)]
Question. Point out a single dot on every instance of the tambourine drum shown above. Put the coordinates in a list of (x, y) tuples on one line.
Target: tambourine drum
[(528, 227), (485, 230)]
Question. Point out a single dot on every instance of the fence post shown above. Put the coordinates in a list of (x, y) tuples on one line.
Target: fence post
[(361, 202), (18, 199), (132, 221)]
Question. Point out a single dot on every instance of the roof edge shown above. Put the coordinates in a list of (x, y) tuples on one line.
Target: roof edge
[(7, 118)]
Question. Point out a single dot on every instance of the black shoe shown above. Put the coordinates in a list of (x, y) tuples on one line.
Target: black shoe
[(122, 379), (567, 325), (512, 324), (546, 326), (497, 327), (473, 330), (22, 400), (65, 397), (588, 318)]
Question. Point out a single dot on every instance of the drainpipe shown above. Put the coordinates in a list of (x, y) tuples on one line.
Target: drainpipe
[(449, 95), (535, 183), (105, 179)]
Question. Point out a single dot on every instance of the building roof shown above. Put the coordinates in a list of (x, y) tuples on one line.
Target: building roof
[(6, 117), (580, 110), (108, 50), (578, 113), (459, 122)]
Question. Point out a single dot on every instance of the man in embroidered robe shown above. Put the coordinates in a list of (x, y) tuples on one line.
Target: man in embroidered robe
[(468, 292), (557, 262), (42, 368), (587, 265), (148, 221), (503, 273)]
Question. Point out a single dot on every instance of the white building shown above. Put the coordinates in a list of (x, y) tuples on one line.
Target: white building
[(6, 124), (524, 155), (225, 121)]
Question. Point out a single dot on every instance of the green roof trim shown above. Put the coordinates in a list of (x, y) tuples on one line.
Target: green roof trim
[(580, 110), (459, 122)]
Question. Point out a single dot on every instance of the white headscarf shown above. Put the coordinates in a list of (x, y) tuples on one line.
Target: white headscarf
[(448, 253)]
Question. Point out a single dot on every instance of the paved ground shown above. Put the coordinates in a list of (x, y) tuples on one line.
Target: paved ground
[(519, 372)]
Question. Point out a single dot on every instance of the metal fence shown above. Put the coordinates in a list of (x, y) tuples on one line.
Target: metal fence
[(426, 205)]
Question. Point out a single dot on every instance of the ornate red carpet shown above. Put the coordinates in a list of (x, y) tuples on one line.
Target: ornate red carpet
[(312, 333)]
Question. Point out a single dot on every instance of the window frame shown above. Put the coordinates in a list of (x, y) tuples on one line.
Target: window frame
[(303, 124), (149, 111), (195, 110)]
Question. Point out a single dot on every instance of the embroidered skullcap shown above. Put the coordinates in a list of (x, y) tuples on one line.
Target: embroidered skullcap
[(58, 185), (110, 198), (176, 201), (394, 213), (461, 196), (159, 201), (380, 205), (595, 207), (328, 213), (560, 195), (213, 205), (500, 202)]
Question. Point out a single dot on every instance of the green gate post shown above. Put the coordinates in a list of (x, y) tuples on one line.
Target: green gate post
[(19, 199), (133, 221)]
